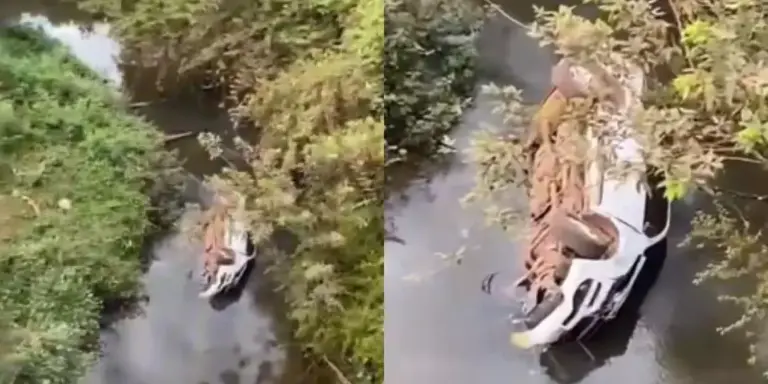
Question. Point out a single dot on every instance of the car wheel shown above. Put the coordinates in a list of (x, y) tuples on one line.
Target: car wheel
[(577, 235)]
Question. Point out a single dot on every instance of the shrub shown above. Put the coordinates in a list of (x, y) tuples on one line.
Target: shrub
[(429, 71), (74, 209)]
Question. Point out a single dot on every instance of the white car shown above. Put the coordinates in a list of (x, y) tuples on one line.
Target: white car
[(601, 273), (228, 275)]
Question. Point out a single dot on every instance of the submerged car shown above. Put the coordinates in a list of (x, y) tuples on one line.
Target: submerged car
[(240, 249), (588, 244)]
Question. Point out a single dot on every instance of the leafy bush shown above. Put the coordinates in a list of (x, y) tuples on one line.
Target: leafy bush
[(75, 168), (705, 107), (429, 70)]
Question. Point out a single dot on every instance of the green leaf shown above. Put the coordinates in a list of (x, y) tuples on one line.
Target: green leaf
[(675, 189), (697, 33), (753, 132), (749, 137), (686, 85)]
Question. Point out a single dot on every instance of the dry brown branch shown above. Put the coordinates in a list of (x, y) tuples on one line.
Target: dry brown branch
[(178, 136), (739, 194), (679, 23), (339, 375), (31, 203)]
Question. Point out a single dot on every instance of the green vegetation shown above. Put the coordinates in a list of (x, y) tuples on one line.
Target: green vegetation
[(705, 107), (429, 72), (75, 174)]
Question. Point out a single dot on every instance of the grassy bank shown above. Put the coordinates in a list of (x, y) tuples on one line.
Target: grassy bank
[(75, 172)]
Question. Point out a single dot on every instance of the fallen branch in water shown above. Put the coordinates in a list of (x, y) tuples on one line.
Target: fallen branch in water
[(139, 104), (502, 12), (142, 104), (178, 136), (743, 195)]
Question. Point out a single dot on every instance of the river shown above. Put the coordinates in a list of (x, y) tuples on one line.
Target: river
[(440, 327), (175, 337)]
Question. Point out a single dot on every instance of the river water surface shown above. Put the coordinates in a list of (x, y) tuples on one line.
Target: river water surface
[(440, 327), (176, 338)]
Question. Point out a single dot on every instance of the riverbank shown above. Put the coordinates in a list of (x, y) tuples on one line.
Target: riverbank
[(78, 180)]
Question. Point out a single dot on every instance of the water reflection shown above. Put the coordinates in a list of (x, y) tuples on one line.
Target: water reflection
[(181, 339), (96, 48), (184, 112)]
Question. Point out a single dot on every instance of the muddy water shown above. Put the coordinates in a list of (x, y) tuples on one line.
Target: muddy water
[(440, 327), (177, 338)]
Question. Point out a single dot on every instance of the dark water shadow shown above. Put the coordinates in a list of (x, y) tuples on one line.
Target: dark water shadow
[(401, 176), (188, 110), (224, 299), (56, 11)]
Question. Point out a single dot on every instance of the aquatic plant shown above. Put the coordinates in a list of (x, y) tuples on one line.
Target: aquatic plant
[(76, 169), (306, 77), (705, 111)]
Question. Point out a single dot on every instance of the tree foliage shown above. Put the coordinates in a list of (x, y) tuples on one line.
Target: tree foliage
[(429, 71), (705, 106), (76, 169)]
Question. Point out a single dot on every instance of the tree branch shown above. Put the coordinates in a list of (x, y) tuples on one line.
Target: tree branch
[(742, 195), (679, 22), (178, 136), (343, 379)]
